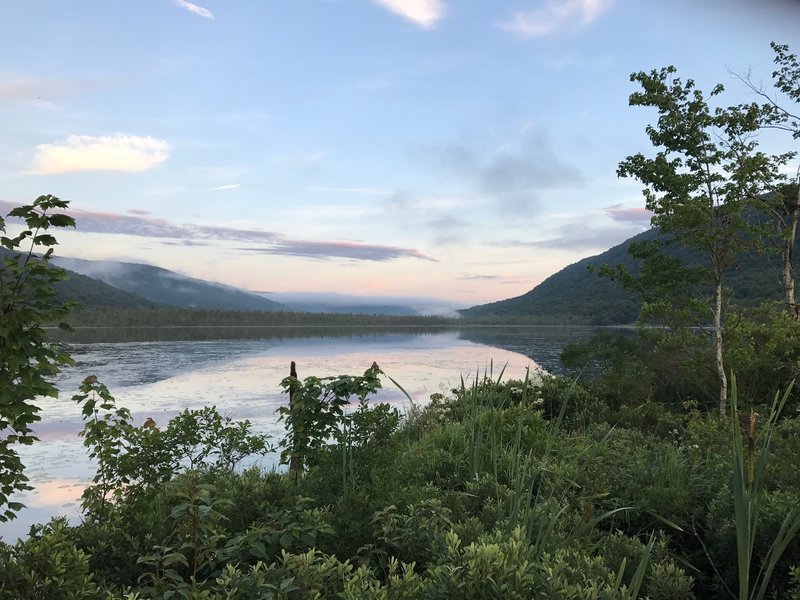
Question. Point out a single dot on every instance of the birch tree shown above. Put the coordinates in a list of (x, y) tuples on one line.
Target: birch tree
[(783, 204), (700, 181)]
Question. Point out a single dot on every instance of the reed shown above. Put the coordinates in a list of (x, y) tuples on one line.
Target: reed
[(750, 461)]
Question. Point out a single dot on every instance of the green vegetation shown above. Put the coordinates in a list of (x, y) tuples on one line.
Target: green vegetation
[(104, 324), (189, 317), (518, 489), (641, 476), (27, 360), (573, 296)]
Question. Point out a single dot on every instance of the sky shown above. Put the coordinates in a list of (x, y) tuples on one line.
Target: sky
[(460, 149)]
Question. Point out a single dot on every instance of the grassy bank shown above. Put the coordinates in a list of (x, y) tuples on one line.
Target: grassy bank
[(519, 489)]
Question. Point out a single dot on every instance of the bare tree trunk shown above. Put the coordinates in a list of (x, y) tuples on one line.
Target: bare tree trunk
[(788, 259), (723, 378), (296, 459)]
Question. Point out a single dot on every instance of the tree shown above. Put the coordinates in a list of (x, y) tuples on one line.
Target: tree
[(28, 361), (783, 204), (783, 208), (699, 183)]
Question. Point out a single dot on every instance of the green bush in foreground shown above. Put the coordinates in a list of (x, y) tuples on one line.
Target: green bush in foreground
[(479, 495), (500, 515)]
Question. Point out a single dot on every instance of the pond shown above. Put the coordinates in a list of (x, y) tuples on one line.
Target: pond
[(241, 377)]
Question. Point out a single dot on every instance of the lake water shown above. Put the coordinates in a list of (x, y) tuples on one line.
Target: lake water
[(241, 378)]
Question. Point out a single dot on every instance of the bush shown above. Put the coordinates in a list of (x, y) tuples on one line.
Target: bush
[(47, 565)]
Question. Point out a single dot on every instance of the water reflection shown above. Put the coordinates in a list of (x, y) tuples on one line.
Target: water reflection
[(161, 333), (541, 344), (241, 378)]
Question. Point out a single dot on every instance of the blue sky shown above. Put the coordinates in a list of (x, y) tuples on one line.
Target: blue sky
[(461, 149)]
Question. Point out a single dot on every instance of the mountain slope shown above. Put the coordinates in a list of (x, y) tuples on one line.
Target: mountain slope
[(92, 293), (165, 287), (576, 295), (573, 295)]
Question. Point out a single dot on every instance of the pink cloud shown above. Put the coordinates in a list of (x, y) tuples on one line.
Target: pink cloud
[(623, 214), (270, 242)]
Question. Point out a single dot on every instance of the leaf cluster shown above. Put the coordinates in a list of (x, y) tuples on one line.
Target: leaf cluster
[(28, 361), (315, 411)]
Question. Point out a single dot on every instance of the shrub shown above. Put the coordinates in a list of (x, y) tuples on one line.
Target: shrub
[(28, 362), (47, 565)]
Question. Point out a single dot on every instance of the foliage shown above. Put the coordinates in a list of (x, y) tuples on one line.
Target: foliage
[(499, 490), (115, 313), (133, 460), (28, 361), (764, 352), (315, 411), (706, 169), (749, 466), (617, 366), (46, 565), (561, 299)]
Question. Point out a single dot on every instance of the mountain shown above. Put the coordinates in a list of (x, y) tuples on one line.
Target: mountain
[(93, 293), (573, 295), (89, 292), (163, 287), (576, 295)]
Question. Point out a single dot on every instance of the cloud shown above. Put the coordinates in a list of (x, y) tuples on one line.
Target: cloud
[(270, 242), (118, 152), (187, 243), (349, 250), (588, 231), (424, 13), (23, 88), (636, 215), (138, 211), (366, 191), (580, 238), (478, 277), (445, 218), (515, 173), (303, 162), (231, 186), (554, 16), (194, 8), (448, 228)]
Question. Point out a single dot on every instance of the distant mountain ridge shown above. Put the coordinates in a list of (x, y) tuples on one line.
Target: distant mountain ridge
[(163, 287), (575, 295), (120, 284), (344, 303)]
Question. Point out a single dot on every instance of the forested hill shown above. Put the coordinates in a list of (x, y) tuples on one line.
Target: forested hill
[(91, 293), (164, 287), (576, 295), (573, 295)]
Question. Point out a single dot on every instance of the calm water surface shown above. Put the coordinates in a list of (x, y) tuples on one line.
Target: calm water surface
[(241, 378)]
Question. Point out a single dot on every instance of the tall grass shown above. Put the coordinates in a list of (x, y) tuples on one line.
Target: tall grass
[(534, 507), (501, 451), (749, 466)]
